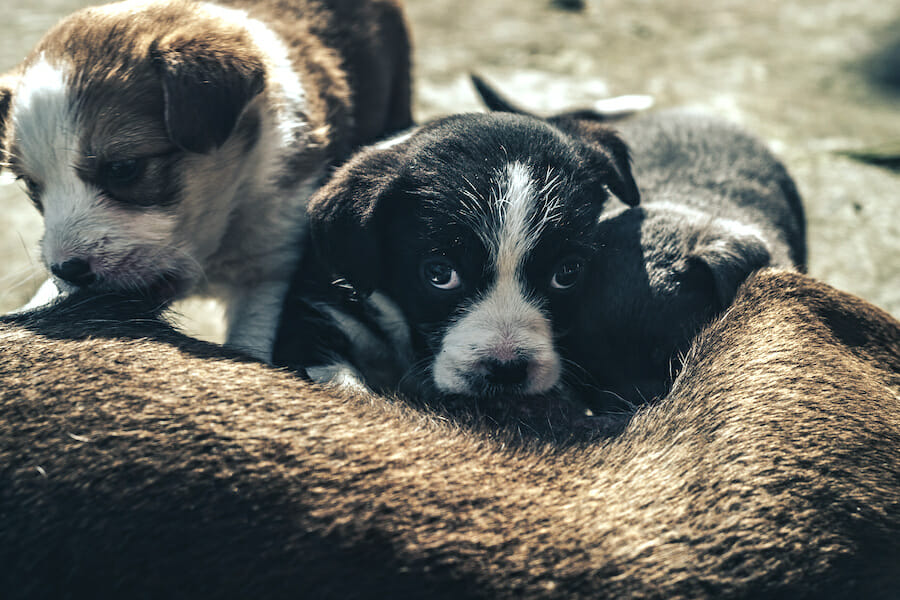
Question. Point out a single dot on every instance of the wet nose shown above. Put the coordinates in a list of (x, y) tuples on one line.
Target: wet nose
[(513, 372), (75, 271)]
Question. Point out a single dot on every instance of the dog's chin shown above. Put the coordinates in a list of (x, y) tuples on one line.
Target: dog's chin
[(476, 388), (163, 288)]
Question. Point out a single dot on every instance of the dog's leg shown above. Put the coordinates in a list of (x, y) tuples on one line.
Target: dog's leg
[(253, 316)]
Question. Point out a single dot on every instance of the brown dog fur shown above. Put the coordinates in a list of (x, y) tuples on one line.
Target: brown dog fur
[(139, 463)]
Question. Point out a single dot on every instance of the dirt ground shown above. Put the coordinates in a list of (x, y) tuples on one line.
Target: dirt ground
[(812, 77)]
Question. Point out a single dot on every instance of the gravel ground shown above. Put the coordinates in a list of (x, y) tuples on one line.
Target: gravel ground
[(812, 77)]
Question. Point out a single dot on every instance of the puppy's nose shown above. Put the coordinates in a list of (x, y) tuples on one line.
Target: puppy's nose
[(513, 372), (75, 271)]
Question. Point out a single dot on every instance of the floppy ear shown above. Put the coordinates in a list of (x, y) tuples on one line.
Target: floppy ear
[(6, 93), (344, 217), (608, 157), (723, 260), (207, 82)]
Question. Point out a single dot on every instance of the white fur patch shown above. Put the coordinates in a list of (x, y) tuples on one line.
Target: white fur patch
[(505, 325), (339, 375), (44, 295), (397, 139)]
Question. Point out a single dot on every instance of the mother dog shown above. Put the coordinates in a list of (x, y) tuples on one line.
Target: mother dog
[(139, 463)]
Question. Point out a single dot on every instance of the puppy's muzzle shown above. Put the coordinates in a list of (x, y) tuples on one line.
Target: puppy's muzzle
[(76, 271)]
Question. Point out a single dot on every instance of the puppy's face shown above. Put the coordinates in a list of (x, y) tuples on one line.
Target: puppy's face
[(481, 227), (124, 131)]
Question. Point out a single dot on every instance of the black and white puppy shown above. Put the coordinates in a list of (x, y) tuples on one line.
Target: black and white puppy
[(498, 239), (172, 145), (480, 229), (716, 205)]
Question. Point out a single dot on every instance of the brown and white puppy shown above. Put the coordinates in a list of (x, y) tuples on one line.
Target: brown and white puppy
[(138, 463), (171, 145)]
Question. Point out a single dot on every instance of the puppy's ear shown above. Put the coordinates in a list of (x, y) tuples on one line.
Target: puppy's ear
[(721, 262), (608, 157), (345, 217), (492, 99), (7, 84), (207, 82)]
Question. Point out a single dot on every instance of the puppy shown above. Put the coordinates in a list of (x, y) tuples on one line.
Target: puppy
[(495, 237), (172, 145), (716, 206), (479, 228)]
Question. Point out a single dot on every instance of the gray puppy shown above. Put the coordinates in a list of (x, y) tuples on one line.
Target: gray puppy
[(716, 205)]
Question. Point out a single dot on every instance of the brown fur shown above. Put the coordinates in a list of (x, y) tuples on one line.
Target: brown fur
[(352, 56), (139, 463), (223, 122)]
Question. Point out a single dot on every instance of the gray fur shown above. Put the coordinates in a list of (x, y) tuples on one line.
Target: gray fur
[(717, 168)]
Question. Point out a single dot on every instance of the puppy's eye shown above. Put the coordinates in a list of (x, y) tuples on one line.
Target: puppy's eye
[(567, 273), (439, 273), (27, 184), (119, 173), (32, 188)]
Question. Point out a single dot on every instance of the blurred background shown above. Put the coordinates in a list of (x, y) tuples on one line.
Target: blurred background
[(819, 80)]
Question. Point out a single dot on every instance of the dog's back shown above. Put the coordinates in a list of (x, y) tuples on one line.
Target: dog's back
[(136, 462), (363, 63), (685, 160)]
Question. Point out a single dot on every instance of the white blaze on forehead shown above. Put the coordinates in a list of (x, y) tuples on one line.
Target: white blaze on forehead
[(505, 325), (515, 237), (520, 212), (46, 131)]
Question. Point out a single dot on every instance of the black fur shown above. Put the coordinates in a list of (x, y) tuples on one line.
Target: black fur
[(716, 205)]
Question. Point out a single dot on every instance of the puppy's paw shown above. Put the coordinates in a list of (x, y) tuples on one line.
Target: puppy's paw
[(339, 375)]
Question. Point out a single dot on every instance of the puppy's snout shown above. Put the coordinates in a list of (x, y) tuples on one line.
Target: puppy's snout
[(506, 373), (76, 271)]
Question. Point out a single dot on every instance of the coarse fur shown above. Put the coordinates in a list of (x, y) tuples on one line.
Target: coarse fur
[(140, 463), (172, 145)]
